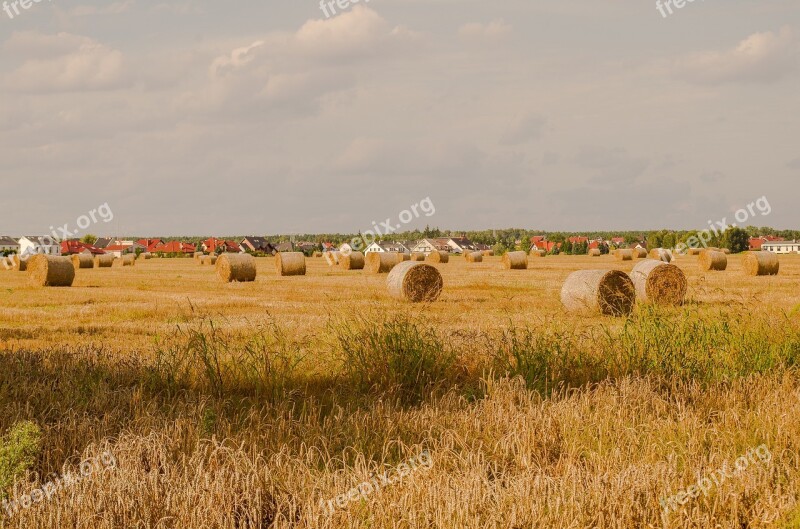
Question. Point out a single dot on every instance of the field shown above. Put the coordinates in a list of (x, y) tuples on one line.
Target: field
[(258, 405)]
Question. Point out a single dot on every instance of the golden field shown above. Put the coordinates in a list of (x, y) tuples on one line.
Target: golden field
[(246, 405)]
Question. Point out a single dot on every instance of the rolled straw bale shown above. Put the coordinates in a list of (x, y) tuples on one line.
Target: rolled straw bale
[(660, 254), (380, 262), (292, 263), (332, 258), (198, 255), (417, 256), (403, 256), (128, 260), (415, 282), (659, 282), (51, 271), (624, 255), (145, 256), (595, 252), (694, 251), (515, 261), (352, 261), (104, 260), (488, 253), (639, 253), (608, 292), (209, 260), (317, 254), (82, 260), (239, 267), (20, 264), (438, 257), (538, 253), (711, 260), (474, 257), (761, 264)]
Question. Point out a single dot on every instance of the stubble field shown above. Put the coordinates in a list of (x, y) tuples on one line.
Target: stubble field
[(263, 404)]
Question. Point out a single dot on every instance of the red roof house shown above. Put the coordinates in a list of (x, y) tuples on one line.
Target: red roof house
[(75, 246)]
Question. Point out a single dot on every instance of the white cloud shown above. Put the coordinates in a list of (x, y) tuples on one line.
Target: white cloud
[(497, 29)]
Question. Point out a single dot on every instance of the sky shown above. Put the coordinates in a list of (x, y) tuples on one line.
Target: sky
[(265, 117)]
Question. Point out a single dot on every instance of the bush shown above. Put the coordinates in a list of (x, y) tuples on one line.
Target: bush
[(19, 449)]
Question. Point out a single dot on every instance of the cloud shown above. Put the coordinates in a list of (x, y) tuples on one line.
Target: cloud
[(611, 166), (495, 30), (760, 58), (525, 129), (63, 63)]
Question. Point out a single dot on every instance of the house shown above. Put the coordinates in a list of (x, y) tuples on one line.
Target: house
[(33, 244), (150, 244), (75, 246), (328, 247), (757, 242), (8, 245), (214, 245), (480, 247), (257, 244), (618, 241), (579, 240), (175, 247), (781, 247), (305, 246), (386, 247), (103, 242), (461, 245), (117, 250), (541, 243), (285, 247)]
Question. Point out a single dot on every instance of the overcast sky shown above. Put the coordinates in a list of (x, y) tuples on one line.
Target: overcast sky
[(263, 117)]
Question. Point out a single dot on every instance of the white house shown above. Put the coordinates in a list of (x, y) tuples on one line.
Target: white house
[(7, 244), (781, 247), (386, 247), (33, 244)]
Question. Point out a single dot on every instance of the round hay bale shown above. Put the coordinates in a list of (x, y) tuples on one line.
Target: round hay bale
[(659, 282), (639, 253), (209, 260), (624, 255), (380, 262), (488, 253), (82, 260), (332, 258), (417, 256), (595, 252), (660, 254), (538, 253), (240, 267), (51, 271), (515, 261), (474, 257), (415, 282), (20, 264), (608, 292), (438, 257), (198, 255), (145, 256), (292, 263), (128, 260), (711, 260), (761, 264), (403, 256), (104, 260), (693, 251), (353, 261), (317, 254)]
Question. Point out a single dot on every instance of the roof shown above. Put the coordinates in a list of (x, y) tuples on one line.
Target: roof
[(102, 242), (76, 246), (39, 239), (8, 241)]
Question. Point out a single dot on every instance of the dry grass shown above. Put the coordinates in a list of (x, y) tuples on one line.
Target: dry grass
[(243, 405)]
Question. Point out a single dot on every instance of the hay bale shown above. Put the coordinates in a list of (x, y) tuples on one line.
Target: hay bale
[(51, 271), (317, 254), (595, 252), (639, 253), (239, 267), (658, 282), (488, 253), (417, 256), (104, 260), (624, 255), (515, 261), (353, 261), (332, 258), (438, 257), (380, 262), (415, 282), (209, 260), (198, 255), (538, 253), (474, 257), (660, 254), (82, 260), (292, 263), (128, 260), (726, 251), (146, 256), (20, 264), (403, 256), (694, 251), (761, 264), (608, 292), (711, 260)]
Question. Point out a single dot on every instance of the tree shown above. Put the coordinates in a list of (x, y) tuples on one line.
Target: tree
[(89, 239), (736, 239)]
